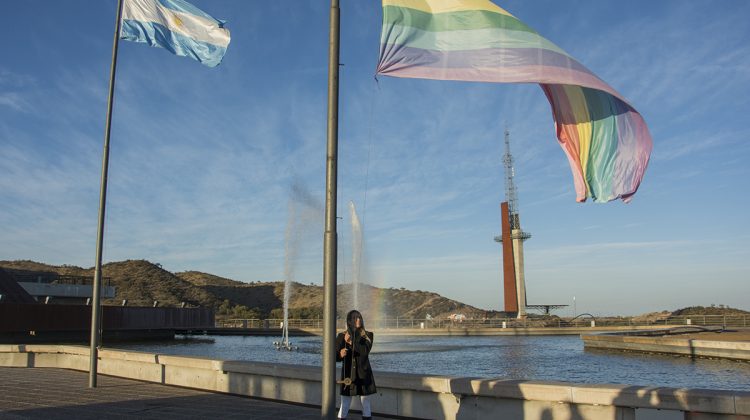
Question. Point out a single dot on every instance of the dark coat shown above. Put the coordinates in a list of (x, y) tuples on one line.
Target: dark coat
[(363, 382)]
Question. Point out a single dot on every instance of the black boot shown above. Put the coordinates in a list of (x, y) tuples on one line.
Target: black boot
[(366, 418)]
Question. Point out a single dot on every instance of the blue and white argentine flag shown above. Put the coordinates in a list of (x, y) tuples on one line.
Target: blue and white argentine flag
[(177, 26)]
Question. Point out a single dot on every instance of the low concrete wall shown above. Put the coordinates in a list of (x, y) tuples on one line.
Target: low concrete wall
[(407, 395), (22, 323), (19, 317), (738, 350)]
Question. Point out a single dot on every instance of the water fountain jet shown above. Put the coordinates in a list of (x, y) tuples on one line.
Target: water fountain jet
[(303, 210), (356, 253)]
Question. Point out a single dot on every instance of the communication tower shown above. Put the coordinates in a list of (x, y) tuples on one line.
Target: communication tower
[(512, 239)]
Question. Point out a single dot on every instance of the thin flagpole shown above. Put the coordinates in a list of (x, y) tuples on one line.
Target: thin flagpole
[(96, 308), (328, 398)]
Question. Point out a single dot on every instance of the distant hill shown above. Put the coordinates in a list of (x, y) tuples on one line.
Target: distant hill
[(691, 310), (141, 282), (204, 279), (710, 310), (138, 281)]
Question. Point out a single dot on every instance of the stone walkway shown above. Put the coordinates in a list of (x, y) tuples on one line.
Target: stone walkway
[(45, 393)]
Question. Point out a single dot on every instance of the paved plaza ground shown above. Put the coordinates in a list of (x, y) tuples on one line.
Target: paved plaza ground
[(46, 393)]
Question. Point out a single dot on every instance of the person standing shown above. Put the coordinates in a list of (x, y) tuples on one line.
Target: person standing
[(353, 349)]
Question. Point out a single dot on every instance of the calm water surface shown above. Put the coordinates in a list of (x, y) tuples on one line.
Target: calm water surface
[(555, 358)]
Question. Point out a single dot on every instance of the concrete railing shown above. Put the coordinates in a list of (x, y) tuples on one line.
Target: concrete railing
[(407, 395)]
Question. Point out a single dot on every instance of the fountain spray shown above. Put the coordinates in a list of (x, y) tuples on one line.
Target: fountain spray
[(356, 253)]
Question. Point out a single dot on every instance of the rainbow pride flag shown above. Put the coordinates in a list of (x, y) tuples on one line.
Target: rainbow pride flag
[(605, 139)]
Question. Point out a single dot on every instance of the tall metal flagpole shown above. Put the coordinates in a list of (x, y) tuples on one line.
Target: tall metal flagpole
[(328, 398), (96, 308)]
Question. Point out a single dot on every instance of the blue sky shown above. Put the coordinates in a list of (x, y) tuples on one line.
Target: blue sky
[(203, 160)]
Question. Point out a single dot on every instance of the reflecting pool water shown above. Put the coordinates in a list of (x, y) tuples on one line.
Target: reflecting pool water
[(554, 358)]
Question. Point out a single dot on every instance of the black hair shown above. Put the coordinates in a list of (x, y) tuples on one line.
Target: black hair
[(350, 321)]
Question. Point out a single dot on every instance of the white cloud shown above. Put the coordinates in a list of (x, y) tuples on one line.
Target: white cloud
[(202, 159)]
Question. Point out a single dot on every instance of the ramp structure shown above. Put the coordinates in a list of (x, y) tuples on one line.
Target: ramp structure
[(11, 291)]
